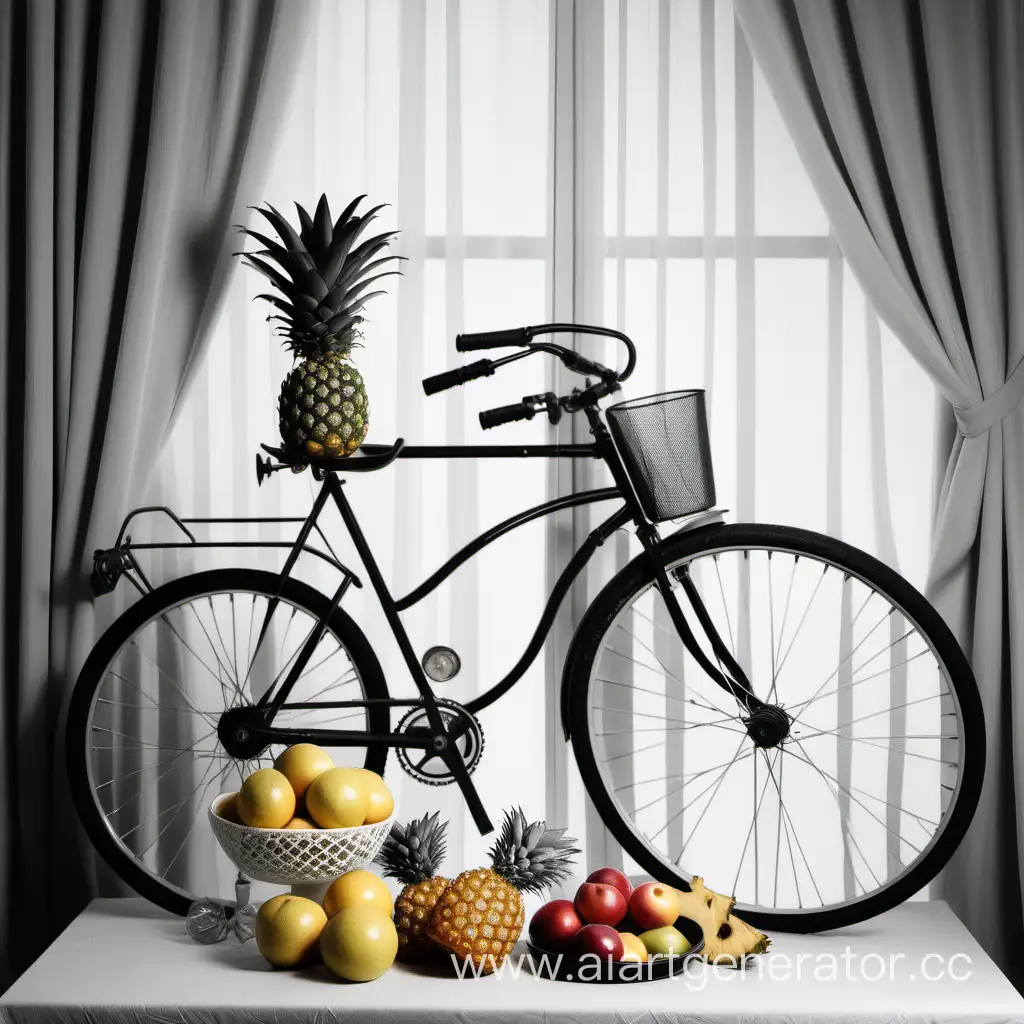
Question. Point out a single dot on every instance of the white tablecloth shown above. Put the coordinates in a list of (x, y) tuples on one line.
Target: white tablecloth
[(121, 960)]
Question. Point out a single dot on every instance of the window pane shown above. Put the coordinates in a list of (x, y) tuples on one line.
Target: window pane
[(505, 101)]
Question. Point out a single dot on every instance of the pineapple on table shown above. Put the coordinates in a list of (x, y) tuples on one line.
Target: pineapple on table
[(480, 915), (412, 853), (727, 938), (321, 276)]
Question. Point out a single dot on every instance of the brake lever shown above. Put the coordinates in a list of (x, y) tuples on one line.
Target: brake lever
[(550, 402)]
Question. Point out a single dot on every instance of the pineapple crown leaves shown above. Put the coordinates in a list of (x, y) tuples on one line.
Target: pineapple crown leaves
[(320, 272), (532, 857), (412, 852)]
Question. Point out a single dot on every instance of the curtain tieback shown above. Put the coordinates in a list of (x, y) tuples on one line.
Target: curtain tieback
[(976, 419)]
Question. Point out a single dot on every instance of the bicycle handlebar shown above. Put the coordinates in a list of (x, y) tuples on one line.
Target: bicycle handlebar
[(460, 375), (492, 339), (523, 336), (506, 414)]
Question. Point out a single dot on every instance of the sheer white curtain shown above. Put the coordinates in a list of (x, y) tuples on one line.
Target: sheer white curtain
[(616, 162)]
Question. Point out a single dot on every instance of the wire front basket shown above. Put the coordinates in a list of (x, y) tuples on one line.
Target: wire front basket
[(663, 442)]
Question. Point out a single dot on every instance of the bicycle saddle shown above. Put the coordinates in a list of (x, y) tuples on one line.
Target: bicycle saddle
[(365, 459)]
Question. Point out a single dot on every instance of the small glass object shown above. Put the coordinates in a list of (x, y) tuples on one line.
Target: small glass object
[(441, 664), (243, 923), (206, 922)]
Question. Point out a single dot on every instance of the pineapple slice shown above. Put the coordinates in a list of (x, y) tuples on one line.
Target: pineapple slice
[(726, 937)]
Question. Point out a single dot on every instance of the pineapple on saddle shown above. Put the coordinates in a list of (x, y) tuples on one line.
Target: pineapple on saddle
[(321, 277)]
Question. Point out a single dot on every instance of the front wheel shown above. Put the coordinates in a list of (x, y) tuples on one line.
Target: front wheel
[(144, 755), (862, 792)]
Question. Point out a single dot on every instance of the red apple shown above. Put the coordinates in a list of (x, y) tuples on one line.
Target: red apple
[(598, 940), (654, 905), (597, 903), (554, 925), (612, 876)]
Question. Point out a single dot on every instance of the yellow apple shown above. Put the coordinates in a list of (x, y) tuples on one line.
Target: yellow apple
[(288, 929), (301, 763), (359, 888), (359, 943), (266, 800), (381, 802), (338, 798)]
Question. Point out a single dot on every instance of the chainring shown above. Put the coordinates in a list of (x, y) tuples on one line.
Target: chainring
[(429, 767)]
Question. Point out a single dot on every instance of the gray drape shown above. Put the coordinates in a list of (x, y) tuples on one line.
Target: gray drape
[(910, 119), (132, 135)]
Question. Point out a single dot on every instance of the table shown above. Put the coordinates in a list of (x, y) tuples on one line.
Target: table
[(122, 959)]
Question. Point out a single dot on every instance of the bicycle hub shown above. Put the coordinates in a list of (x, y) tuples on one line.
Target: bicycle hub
[(768, 726), (237, 735)]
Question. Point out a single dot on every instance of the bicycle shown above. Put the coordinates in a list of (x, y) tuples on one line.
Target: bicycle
[(673, 650)]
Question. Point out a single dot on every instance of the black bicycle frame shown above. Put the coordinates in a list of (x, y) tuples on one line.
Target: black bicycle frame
[(732, 679)]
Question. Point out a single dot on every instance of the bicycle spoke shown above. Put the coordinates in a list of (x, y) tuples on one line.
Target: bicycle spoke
[(674, 728), (776, 653), (865, 679), (633, 753), (868, 743), (664, 718), (803, 618), (725, 608), (159, 814), (863, 640), (669, 675), (154, 707), (679, 789), (184, 695), (696, 824), (684, 775), (656, 693), (771, 629), (875, 714), (224, 647), (871, 796), (866, 809), (195, 820), (758, 800)]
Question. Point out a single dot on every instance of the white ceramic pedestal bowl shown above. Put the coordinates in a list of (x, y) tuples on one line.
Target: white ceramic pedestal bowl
[(308, 860)]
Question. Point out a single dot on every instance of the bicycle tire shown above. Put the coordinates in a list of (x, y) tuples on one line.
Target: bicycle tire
[(637, 576), (149, 607)]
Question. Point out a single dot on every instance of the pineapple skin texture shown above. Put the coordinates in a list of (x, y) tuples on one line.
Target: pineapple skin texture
[(324, 411), (412, 914), (479, 917)]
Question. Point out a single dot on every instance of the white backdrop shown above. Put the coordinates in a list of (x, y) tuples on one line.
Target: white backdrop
[(620, 164)]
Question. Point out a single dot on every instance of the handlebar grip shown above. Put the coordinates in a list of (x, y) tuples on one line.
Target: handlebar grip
[(492, 339), (461, 374), (506, 414)]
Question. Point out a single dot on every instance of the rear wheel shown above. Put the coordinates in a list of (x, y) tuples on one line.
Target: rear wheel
[(144, 755), (849, 805)]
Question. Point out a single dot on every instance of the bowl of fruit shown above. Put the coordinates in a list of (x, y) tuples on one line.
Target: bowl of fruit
[(305, 821), (613, 932)]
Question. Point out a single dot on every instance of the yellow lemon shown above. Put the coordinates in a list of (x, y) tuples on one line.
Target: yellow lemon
[(288, 929), (338, 798), (300, 823), (359, 944), (358, 888), (382, 803), (266, 800), (228, 809), (301, 763)]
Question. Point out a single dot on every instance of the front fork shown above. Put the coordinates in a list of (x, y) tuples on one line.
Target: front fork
[(728, 673)]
